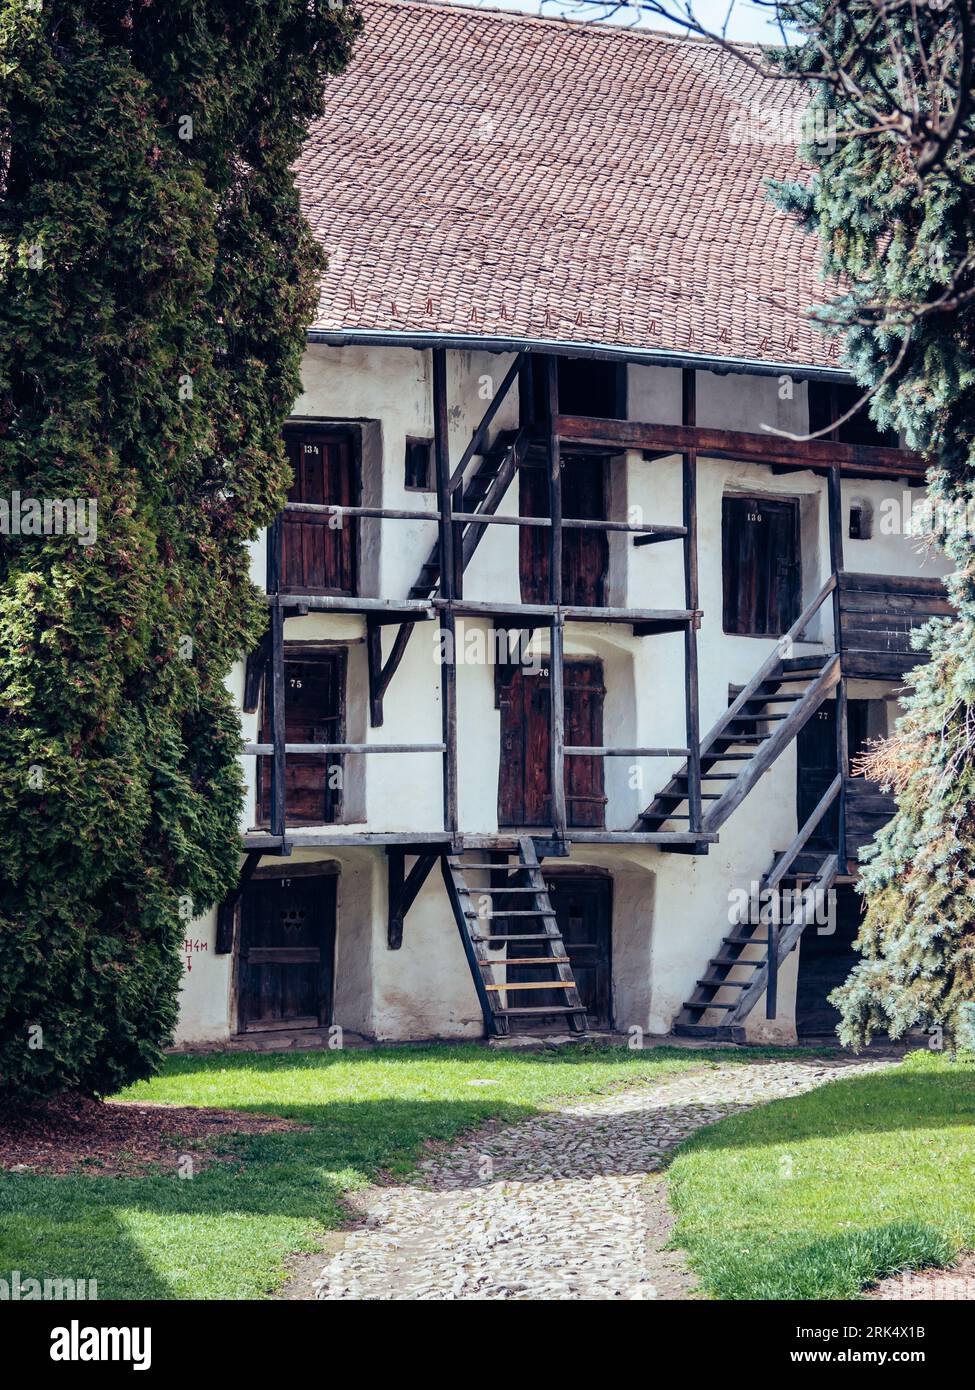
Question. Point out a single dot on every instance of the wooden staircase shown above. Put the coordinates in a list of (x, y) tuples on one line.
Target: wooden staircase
[(512, 909), (741, 967), (482, 493), (760, 723)]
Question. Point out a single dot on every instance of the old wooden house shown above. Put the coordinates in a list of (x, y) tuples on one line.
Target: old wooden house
[(573, 633)]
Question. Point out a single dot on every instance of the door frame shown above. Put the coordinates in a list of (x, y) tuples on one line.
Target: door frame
[(324, 868), (593, 872)]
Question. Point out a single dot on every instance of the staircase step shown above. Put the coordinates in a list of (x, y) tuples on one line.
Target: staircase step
[(709, 1032), (725, 984), (760, 718), (525, 960), (701, 1005), (499, 888), (509, 868), (485, 916), (533, 984), (542, 1009), (532, 936)]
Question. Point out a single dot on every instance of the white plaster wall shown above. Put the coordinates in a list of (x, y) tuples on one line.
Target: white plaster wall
[(890, 549)]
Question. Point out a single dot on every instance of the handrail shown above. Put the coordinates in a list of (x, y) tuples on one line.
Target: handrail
[(788, 859), (794, 634)]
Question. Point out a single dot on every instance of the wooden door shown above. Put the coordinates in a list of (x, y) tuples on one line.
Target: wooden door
[(816, 765), (761, 565), (314, 712), (318, 553), (583, 911), (524, 788), (825, 961), (287, 953), (585, 554)]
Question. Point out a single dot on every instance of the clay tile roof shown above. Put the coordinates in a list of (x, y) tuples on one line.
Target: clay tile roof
[(496, 175)]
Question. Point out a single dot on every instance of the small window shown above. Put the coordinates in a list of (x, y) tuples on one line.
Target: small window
[(861, 520), (419, 464)]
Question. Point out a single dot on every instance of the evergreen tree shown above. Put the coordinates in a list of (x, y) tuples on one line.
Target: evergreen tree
[(156, 278), (894, 218)]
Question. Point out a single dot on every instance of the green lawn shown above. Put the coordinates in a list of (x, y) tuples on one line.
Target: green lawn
[(814, 1197), (226, 1232)]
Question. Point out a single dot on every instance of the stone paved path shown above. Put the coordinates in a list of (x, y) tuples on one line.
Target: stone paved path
[(560, 1206)]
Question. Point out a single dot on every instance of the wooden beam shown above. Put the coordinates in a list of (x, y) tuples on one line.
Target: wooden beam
[(556, 663), (276, 689), (403, 890), (374, 653), (556, 681), (229, 910), (254, 674), (448, 662), (834, 490), (857, 460), (691, 686), (381, 674)]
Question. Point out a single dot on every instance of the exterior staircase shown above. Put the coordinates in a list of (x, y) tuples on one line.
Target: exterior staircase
[(752, 733), (482, 493), (512, 909), (749, 956)]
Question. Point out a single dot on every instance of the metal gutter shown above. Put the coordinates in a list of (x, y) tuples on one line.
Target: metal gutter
[(654, 357)]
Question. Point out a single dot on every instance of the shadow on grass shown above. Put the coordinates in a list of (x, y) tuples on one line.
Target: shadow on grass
[(903, 1098)]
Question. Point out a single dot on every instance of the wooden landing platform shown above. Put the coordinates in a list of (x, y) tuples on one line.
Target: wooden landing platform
[(328, 838)]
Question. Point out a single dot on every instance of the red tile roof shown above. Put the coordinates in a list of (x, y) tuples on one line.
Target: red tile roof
[(492, 174)]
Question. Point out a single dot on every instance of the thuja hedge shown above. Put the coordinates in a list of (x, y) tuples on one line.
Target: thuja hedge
[(156, 277)]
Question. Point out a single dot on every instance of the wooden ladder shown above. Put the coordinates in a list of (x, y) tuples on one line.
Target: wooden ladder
[(485, 920)]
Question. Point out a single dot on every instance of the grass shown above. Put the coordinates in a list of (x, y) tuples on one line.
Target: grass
[(817, 1196), (226, 1233)]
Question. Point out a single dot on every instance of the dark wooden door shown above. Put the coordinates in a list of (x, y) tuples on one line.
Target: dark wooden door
[(524, 787), (761, 565), (318, 550), (585, 554), (825, 961), (287, 953), (583, 911), (816, 765), (314, 712)]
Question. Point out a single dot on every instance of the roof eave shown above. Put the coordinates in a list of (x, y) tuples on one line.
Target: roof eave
[(655, 357)]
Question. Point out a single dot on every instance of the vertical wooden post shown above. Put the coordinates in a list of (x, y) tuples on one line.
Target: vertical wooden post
[(835, 502), (278, 733), (691, 596), (556, 681), (556, 665), (448, 654), (274, 549), (772, 987)]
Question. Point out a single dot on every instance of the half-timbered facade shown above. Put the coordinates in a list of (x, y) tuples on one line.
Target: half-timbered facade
[(573, 632)]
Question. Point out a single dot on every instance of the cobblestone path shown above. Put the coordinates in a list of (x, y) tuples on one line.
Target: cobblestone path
[(560, 1206)]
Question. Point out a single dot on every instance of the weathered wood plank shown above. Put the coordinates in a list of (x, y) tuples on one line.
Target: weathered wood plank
[(861, 460)]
